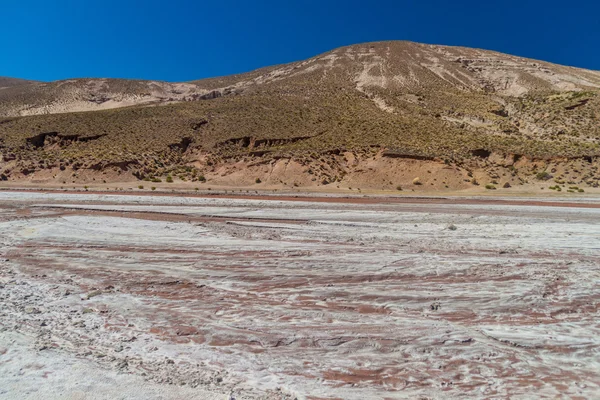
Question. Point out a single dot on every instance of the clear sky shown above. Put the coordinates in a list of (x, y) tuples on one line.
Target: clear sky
[(178, 40)]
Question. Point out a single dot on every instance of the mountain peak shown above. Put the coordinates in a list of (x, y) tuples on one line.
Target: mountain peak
[(400, 68)]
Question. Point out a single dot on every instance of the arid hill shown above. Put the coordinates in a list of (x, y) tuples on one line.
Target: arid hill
[(10, 82), (373, 115)]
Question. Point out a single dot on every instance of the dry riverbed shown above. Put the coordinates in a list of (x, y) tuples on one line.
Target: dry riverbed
[(158, 297)]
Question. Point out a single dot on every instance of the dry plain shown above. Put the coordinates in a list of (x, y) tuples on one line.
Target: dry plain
[(190, 297)]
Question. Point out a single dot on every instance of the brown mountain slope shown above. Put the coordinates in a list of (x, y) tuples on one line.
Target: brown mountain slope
[(398, 67), (327, 117), (11, 82), (75, 95)]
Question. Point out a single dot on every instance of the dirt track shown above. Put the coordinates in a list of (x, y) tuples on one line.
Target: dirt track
[(271, 298)]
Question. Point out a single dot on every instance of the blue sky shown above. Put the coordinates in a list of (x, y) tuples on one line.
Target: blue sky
[(178, 40)]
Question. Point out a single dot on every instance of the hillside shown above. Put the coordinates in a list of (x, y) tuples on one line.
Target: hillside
[(76, 95), (11, 82), (374, 115)]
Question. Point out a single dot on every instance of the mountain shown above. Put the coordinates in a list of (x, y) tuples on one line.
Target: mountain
[(11, 82), (373, 115), (77, 95)]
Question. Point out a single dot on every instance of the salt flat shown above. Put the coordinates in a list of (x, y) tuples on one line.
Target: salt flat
[(269, 298)]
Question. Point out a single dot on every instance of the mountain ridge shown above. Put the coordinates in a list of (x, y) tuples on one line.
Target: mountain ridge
[(89, 94), (6, 82)]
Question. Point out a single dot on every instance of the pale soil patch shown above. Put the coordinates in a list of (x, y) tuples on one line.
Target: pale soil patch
[(29, 374)]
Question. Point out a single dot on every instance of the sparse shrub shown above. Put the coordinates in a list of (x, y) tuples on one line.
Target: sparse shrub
[(169, 179), (580, 190), (417, 181), (201, 178), (140, 186), (399, 188), (257, 180), (153, 188), (490, 187), (506, 185), (93, 294), (543, 176)]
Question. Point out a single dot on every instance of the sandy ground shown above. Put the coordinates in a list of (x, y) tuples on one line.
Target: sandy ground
[(232, 187), (160, 297)]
